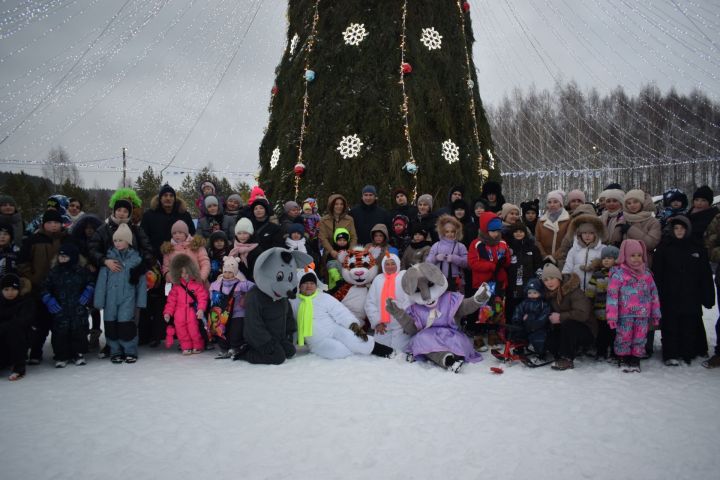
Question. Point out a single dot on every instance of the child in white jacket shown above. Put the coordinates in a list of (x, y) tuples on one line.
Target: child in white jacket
[(388, 330), (329, 328), (587, 246)]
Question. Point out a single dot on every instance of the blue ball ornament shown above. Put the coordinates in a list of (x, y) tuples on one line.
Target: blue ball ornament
[(309, 75), (410, 168)]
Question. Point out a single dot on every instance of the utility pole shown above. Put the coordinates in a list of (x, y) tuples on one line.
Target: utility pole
[(124, 150)]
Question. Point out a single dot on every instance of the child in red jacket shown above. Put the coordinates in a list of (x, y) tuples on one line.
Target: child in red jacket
[(488, 258), (186, 303)]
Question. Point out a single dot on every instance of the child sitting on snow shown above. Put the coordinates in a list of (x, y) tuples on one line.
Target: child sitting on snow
[(330, 329), (227, 309), (186, 303)]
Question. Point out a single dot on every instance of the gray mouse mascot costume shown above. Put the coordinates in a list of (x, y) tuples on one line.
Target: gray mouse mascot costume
[(269, 321), (433, 318)]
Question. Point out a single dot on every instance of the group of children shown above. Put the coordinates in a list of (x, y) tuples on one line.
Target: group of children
[(207, 277)]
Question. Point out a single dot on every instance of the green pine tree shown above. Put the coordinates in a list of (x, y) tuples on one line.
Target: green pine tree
[(357, 90), (148, 185)]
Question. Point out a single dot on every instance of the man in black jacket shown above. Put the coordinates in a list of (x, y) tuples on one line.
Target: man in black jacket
[(367, 214), (165, 209)]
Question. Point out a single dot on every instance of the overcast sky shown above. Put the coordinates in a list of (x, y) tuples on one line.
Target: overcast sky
[(98, 75)]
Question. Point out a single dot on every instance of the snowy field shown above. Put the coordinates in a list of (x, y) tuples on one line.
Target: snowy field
[(172, 417)]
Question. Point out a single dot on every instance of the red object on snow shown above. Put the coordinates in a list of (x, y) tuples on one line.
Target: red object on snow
[(406, 68), (466, 6), (299, 169), (274, 90), (497, 370)]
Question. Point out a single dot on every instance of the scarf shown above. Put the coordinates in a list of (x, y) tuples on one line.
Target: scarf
[(305, 317), (241, 250), (117, 221), (388, 291), (639, 217)]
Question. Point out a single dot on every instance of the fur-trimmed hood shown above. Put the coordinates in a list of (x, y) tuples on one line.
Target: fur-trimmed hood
[(181, 261), (569, 283), (593, 220), (180, 205), (194, 244)]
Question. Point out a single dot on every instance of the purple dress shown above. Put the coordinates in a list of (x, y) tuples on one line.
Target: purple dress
[(443, 335)]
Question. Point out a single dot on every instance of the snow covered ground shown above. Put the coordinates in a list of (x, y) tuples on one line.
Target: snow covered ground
[(171, 417)]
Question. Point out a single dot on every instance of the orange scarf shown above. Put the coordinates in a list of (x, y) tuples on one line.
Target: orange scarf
[(388, 291)]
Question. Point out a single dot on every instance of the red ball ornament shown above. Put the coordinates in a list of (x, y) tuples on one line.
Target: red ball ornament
[(274, 90), (466, 6), (299, 169), (406, 68)]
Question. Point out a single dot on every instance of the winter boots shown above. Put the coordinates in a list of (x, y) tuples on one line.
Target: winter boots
[(381, 350), (563, 364), (712, 362)]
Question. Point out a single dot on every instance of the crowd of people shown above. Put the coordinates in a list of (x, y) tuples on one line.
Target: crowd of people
[(566, 278)]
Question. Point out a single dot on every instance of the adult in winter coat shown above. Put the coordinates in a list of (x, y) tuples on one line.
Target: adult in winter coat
[(702, 212), (587, 247), (268, 233), (612, 211), (337, 216), (492, 194), (291, 214), (165, 210), (552, 227), (102, 241), (685, 285), (387, 284), (455, 193), (638, 222), (426, 218), (17, 308), (10, 215), (213, 220), (572, 323), (712, 243), (327, 326), (367, 214), (119, 297), (402, 204), (269, 321)]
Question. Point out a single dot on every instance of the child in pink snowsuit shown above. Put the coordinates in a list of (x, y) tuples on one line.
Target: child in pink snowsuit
[(186, 303), (632, 303)]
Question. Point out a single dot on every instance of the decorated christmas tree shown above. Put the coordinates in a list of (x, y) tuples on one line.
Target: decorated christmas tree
[(376, 91)]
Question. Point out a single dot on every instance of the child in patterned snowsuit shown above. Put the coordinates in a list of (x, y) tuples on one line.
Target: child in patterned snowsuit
[(632, 303)]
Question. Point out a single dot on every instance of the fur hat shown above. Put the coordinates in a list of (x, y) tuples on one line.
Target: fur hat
[(514, 227), (122, 203), (491, 187), (244, 225), (576, 195), (181, 261), (211, 200), (10, 280), (449, 219), (52, 216), (398, 190), (613, 186), (217, 235), (180, 226), (704, 192), (425, 198), (459, 204), (635, 194), (610, 251), (551, 271), (533, 205), (558, 195), (507, 208), (123, 232)]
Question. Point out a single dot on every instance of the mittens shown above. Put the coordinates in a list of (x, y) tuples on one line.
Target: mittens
[(359, 332), (86, 295), (51, 303)]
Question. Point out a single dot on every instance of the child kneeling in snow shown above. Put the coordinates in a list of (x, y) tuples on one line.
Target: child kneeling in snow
[(329, 328)]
